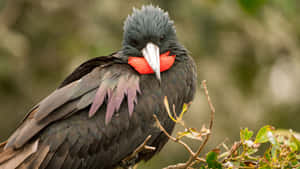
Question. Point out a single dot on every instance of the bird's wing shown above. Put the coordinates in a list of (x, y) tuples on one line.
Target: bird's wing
[(91, 84)]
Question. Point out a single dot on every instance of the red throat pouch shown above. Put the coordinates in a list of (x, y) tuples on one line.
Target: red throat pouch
[(141, 65)]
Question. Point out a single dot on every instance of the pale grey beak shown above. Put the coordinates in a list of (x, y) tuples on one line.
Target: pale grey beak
[(151, 54)]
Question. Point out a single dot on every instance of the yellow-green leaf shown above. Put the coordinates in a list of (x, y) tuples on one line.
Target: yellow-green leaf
[(184, 109), (264, 134), (245, 134), (191, 133)]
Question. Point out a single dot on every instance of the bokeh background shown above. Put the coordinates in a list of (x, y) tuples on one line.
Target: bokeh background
[(247, 50)]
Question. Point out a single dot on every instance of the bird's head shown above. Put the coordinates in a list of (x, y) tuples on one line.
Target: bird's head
[(148, 36)]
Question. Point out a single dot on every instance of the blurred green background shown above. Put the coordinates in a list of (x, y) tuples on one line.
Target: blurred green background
[(247, 50)]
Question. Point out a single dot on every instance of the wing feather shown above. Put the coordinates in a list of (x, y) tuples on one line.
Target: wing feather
[(109, 84), (32, 126), (19, 156), (55, 100)]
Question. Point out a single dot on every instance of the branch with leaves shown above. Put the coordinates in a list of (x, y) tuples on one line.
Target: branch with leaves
[(283, 146), (189, 132)]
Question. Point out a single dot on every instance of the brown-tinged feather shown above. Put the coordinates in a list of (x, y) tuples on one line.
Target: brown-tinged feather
[(116, 99), (59, 157), (32, 113), (28, 117), (86, 100), (31, 126), (42, 155), (20, 156), (2, 145), (76, 164), (46, 160), (68, 162), (115, 87), (88, 66), (7, 154), (55, 100), (99, 98), (132, 93), (108, 84), (35, 160)]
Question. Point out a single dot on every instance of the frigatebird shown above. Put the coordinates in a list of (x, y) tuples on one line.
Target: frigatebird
[(103, 111)]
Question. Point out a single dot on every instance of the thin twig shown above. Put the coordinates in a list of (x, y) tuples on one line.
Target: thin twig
[(223, 144), (140, 148), (233, 149), (212, 108), (176, 140), (177, 166), (212, 117), (193, 156)]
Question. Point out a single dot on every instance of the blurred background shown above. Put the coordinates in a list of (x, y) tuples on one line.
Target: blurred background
[(247, 50)]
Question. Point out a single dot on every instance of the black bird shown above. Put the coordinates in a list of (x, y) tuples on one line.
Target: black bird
[(103, 111)]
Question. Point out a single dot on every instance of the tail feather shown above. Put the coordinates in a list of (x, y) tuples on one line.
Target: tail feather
[(12, 159), (36, 159), (5, 155)]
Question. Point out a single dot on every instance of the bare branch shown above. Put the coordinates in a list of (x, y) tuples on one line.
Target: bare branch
[(194, 157), (140, 148), (212, 117), (233, 149), (177, 166), (212, 108), (176, 140)]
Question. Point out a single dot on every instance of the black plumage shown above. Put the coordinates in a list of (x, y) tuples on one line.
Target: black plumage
[(104, 110)]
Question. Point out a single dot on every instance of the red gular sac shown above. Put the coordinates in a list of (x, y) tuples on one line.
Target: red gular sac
[(141, 65)]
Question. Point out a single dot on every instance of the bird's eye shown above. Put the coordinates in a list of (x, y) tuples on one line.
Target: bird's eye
[(162, 37)]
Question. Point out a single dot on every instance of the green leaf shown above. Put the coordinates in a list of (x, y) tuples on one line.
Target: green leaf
[(291, 157), (267, 155), (294, 162), (211, 159), (293, 145), (211, 156), (264, 135), (274, 153), (251, 151), (296, 142), (245, 134), (266, 166)]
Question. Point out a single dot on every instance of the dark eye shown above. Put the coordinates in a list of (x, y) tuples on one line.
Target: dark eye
[(162, 37), (133, 42)]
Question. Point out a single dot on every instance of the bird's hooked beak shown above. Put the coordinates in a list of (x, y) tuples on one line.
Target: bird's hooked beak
[(151, 54)]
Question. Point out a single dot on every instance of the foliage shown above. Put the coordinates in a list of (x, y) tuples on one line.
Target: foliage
[(279, 151), (283, 151), (270, 148)]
